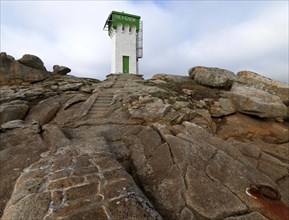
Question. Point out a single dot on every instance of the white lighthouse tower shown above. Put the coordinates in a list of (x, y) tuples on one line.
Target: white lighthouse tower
[(125, 30)]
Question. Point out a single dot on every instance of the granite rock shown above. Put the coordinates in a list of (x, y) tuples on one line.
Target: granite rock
[(258, 81), (14, 72), (60, 70), (128, 148), (214, 77), (32, 61), (14, 110), (257, 102)]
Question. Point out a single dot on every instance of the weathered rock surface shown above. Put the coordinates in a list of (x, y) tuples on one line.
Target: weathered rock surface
[(19, 148), (128, 148), (14, 72), (250, 216), (32, 61), (60, 70), (174, 78), (44, 111), (214, 77), (257, 102), (75, 179), (13, 110), (263, 83), (250, 128), (223, 106)]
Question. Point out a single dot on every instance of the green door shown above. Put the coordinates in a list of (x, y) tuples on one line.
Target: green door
[(125, 64)]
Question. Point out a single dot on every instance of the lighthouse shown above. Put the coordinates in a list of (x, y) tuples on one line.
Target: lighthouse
[(126, 33)]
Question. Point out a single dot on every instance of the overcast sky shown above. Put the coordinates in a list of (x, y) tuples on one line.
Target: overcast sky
[(235, 35)]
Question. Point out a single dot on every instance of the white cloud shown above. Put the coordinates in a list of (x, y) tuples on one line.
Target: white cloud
[(257, 44), (65, 33), (245, 40), (177, 35)]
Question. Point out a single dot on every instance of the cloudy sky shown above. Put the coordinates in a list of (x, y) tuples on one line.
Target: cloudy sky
[(235, 35)]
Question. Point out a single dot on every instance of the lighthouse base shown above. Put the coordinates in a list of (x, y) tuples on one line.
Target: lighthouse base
[(124, 77)]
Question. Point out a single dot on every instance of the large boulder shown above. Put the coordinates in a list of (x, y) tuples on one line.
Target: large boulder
[(44, 112), (14, 72), (60, 70), (252, 101), (13, 110), (32, 61), (213, 77), (261, 82)]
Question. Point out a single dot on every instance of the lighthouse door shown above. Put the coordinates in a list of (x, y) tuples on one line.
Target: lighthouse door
[(125, 64)]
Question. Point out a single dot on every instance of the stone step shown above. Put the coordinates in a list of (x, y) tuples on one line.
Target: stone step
[(118, 86), (103, 101), (101, 105), (100, 116), (95, 115), (106, 104), (106, 94), (98, 110), (104, 98), (91, 114), (97, 102)]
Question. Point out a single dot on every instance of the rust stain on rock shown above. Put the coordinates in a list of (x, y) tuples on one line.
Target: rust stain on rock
[(271, 204)]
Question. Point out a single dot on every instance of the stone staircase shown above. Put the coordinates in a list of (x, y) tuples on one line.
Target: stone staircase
[(101, 105), (100, 108)]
